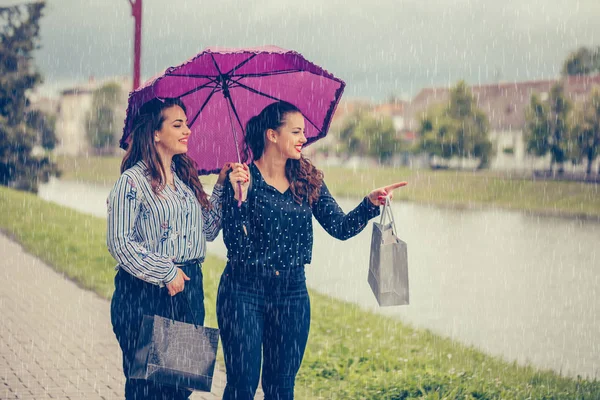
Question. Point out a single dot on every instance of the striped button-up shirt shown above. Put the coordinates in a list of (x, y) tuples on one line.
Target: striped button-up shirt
[(148, 233)]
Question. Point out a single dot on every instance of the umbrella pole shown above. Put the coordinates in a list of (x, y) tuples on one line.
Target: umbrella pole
[(237, 147), (223, 79)]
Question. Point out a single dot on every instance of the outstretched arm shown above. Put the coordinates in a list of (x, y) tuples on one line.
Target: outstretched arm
[(344, 226), (378, 195)]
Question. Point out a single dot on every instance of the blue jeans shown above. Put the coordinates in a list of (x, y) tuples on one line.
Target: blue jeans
[(132, 299), (268, 318)]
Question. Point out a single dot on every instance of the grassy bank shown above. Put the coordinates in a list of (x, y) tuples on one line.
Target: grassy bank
[(102, 170), (473, 189), (352, 354), (444, 188)]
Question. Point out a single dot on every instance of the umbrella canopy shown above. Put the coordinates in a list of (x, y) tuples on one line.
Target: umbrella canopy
[(223, 88)]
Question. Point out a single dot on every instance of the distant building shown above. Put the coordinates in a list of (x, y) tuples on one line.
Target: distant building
[(74, 105), (326, 149), (505, 105), (346, 108), (47, 105), (393, 110)]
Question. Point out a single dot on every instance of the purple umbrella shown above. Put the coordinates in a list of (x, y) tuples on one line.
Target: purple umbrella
[(223, 88)]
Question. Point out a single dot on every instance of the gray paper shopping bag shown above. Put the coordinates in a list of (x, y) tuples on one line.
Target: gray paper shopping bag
[(175, 353), (388, 266)]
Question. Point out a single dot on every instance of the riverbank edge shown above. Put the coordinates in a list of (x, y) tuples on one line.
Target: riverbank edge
[(426, 187), (349, 349), (472, 206)]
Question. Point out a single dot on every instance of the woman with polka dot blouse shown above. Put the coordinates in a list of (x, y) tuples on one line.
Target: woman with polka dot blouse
[(263, 307)]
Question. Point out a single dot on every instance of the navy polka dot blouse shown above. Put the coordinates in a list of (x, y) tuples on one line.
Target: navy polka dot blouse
[(278, 232)]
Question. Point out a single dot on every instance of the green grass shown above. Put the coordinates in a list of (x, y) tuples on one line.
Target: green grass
[(458, 189), (352, 354), (71, 242), (102, 170), (472, 189)]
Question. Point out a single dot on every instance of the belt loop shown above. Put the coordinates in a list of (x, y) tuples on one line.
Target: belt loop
[(189, 262)]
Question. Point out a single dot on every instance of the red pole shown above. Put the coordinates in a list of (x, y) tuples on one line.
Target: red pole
[(136, 11)]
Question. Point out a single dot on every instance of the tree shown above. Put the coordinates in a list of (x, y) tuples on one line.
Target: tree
[(586, 131), (546, 128), (382, 140), (19, 37), (583, 61), (437, 136), (103, 125), (458, 129), (537, 127), (44, 125), (366, 135)]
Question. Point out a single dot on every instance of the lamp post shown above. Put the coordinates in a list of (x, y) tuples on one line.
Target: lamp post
[(136, 11)]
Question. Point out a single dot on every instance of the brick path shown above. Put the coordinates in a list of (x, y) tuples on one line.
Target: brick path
[(56, 339)]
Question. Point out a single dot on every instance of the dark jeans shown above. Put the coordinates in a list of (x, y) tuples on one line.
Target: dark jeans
[(268, 315), (132, 299)]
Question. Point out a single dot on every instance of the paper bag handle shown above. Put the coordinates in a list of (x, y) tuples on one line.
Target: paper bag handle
[(187, 301), (387, 211)]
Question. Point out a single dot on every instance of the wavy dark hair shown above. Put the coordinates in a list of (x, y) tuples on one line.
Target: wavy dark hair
[(142, 147), (305, 179)]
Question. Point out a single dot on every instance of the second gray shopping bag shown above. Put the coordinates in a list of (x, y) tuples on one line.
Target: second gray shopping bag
[(388, 264)]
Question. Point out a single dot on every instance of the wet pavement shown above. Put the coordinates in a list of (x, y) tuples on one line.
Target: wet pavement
[(56, 339)]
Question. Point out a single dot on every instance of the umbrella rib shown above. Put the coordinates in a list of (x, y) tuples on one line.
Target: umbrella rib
[(228, 97), (258, 75), (191, 76), (251, 89), (216, 65), (274, 98), (203, 105), (240, 64), (194, 90), (312, 123)]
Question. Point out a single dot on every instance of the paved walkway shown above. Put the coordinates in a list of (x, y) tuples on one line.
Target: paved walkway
[(56, 339)]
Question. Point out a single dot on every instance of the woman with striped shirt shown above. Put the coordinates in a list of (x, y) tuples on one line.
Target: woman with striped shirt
[(159, 219)]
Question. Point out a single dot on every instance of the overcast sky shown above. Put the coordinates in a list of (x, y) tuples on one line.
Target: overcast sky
[(379, 47)]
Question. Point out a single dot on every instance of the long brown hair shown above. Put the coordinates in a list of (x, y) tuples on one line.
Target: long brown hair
[(148, 120), (305, 179)]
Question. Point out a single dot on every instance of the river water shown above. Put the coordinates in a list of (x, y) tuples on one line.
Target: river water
[(520, 286)]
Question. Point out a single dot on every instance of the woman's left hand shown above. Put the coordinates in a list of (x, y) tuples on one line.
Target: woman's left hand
[(377, 196), (223, 173)]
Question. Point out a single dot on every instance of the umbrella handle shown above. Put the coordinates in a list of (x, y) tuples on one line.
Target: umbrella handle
[(240, 189)]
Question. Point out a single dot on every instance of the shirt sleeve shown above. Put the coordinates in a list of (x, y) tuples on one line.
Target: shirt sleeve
[(234, 221), (212, 218), (339, 225), (123, 209)]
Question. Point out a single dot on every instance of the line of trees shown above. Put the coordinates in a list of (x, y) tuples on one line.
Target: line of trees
[(583, 61), (21, 129), (366, 135), (456, 129), (566, 131)]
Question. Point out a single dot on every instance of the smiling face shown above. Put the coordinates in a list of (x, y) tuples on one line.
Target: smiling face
[(289, 137), (172, 138)]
